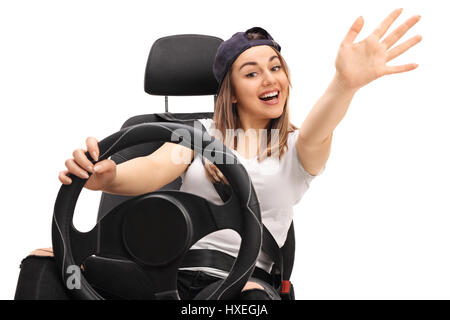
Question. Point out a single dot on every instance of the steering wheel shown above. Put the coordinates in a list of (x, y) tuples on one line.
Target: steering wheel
[(156, 230)]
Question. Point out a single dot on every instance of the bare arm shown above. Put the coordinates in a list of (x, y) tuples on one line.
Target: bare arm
[(314, 141), (357, 64), (147, 174)]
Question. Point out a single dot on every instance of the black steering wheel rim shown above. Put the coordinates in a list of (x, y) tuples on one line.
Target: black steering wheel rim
[(200, 142)]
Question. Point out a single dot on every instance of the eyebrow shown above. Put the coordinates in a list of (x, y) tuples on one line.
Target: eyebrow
[(253, 63)]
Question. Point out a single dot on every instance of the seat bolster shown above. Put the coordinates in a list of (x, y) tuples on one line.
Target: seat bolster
[(117, 279)]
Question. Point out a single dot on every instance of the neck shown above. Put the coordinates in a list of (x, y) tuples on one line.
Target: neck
[(249, 138), (250, 122)]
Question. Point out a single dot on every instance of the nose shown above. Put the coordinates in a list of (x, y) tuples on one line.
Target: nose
[(268, 78)]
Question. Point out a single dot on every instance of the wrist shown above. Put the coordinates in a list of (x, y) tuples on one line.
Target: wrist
[(342, 85)]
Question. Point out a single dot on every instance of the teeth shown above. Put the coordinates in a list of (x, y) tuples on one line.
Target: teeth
[(270, 94)]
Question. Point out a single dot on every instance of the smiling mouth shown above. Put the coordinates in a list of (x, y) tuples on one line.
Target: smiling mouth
[(270, 98), (271, 101)]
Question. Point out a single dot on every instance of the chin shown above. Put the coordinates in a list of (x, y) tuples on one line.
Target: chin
[(274, 113)]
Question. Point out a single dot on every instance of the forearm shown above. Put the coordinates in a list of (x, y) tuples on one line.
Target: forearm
[(150, 173), (130, 179), (327, 113)]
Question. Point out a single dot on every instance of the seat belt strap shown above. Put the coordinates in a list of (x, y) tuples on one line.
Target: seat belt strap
[(218, 260)]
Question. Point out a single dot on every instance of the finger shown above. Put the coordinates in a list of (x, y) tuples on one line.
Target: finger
[(400, 31), (211, 177), (212, 173), (387, 22), (398, 50), (221, 176), (104, 166), (81, 159), (252, 285), (75, 169), (354, 31), (64, 178), (45, 252), (209, 167), (92, 147), (215, 175), (401, 68)]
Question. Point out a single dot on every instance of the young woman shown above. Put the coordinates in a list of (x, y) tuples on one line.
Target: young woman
[(253, 98)]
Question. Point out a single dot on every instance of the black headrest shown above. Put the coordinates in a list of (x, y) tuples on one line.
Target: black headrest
[(182, 65)]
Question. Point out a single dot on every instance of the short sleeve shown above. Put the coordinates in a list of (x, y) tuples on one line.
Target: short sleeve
[(298, 164), (300, 179)]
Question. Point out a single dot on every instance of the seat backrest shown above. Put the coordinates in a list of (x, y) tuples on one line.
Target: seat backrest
[(178, 65)]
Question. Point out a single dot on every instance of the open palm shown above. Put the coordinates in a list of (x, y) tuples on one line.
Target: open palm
[(357, 64)]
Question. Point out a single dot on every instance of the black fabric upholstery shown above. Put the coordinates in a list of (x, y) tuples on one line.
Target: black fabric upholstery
[(39, 279), (254, 294), (129, 283), (208, 290), (288, 252), (182, 65)]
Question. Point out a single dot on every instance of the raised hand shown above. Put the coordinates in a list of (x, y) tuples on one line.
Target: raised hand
[(358, 64)]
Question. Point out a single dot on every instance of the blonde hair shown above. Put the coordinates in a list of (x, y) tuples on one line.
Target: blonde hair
[(226, 116)]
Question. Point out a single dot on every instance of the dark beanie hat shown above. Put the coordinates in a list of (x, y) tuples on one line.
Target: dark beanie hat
[(229, 50)]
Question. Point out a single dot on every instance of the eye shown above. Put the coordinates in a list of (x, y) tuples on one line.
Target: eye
[(278, 68), (250, 75)]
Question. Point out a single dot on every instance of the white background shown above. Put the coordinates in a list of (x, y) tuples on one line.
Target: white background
[(375, 225)]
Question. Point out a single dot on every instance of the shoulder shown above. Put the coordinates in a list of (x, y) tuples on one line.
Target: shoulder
[(208, 123), (292, 136), (292, 140)]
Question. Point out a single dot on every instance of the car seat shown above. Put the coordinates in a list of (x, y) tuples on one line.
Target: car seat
[(179, 65)]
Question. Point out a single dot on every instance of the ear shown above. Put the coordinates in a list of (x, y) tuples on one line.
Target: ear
[(233, 98)]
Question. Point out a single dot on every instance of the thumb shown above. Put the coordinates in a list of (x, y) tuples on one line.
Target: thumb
[(104, 166)]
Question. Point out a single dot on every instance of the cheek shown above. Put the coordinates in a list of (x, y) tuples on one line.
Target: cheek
[(246, 93), (285, 89), (284, 81)]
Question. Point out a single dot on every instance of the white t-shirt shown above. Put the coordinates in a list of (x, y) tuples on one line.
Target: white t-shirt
[(279, 185)]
